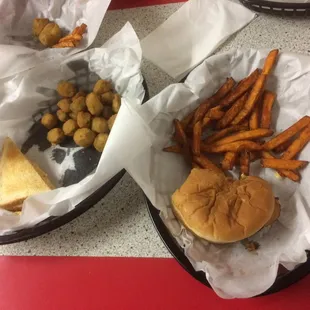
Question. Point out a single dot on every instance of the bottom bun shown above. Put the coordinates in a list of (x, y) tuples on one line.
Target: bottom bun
[(221, 210)]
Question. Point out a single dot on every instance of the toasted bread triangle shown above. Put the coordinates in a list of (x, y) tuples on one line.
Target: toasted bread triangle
[(19, 178)]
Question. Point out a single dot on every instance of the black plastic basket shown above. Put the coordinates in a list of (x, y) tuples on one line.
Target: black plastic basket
[(278, 8)]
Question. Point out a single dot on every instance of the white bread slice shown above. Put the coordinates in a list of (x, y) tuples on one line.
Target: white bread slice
[(19, 178)]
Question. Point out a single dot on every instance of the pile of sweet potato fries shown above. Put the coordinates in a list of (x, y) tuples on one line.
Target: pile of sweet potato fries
[(73, 39), (234, 122)]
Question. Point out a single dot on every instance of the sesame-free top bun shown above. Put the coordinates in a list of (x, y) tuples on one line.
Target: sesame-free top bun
[(221, 210)]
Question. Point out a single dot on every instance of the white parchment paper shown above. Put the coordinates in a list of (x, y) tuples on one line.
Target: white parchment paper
[(230, 269), (24, 94), (18, 49)]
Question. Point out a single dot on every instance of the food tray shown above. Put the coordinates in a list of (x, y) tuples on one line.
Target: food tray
[(278, 8), (284, 279), (87, 160)]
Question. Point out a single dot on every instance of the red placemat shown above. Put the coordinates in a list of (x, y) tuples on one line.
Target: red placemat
[(121, 4), (86, 283)]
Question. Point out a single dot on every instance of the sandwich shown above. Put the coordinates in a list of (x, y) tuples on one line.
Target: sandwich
[(19, 177), (222, 210)]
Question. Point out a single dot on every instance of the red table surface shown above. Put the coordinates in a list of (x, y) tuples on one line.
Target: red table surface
[(120, 283)]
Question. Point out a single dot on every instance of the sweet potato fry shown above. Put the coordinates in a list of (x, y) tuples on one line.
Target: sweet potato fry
[(64, 44), (208, 103), (244, 163), (268, 101), (292, 175), (223, 133), (206, 121), (205, 163), (254, 156), (255, 117), (215, 113), (229, 160), (232, 112), (298, 144), (288, 164), (180, 135), (283, 147), (242, 87), (173, 149), (236, 147), (287, 134), (246, 135), (197, 131), (79, 30), (252, 100), (270, 61), (71, 37), (201, 111), (188, 119)]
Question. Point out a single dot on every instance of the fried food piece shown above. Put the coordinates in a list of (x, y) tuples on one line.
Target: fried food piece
[(116, 104), (107, 98), (66, 89), (252, 100), (84, 119), (246, 135), (65, 44), (292, 175), (223, 133), (254, 156), (236, 147), (73, 115), (195, 165), (71, 37), (232, 112), (102, 86), (197, 132), (244, 163), (173, 149), (93, 104), (50, 34), (288, 164), (78, 105), (298, 144), (80, 29), (240, 89), (49, 120), (100, 141), (268, 101), (187, 120), (79, 94), (111, 121), (64, 105), (204, 162), (287, 134), (283, 147), (180, 135), (38, 24), (62, 116), (270, 61), (107, 112), (229, 160), (70, 127), (255, 117), (215, 113), (55, 136), (84, 137), (99, 125), (206, 122), (208, 103)]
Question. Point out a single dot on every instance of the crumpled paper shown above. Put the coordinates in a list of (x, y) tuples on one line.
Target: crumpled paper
[(193, 33), (23, 95), (232, 271), (18, 49)]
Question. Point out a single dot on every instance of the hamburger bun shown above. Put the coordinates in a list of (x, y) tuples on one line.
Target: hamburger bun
[(222, 210)]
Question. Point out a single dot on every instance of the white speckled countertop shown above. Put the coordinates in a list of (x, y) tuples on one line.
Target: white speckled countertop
[(119, 225)]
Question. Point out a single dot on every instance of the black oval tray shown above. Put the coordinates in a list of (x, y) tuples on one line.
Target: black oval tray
[(278, 8), (284, 279), (86, 159)]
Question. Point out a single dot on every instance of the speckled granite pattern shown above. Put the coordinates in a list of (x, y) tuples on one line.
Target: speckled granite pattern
[(119, 225)]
